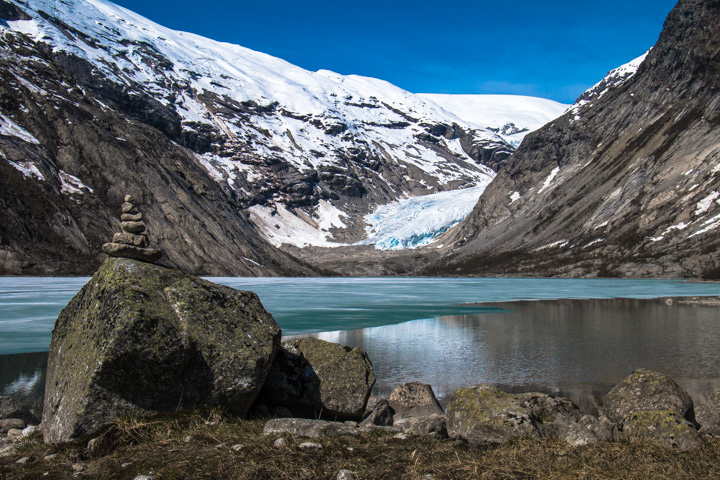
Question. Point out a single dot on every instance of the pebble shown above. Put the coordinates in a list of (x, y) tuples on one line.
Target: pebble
[(15, 432), (280, 442), (23, 460), (78, 468), (237, 448), (145, 477), (52, 456), (310, 447), (401, 436), (27, 431), (345, 474)]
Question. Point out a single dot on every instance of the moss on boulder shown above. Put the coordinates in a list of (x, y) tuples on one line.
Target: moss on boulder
[(664, 428), (645, 390), (484, 415), (143, 339), (314, 378)]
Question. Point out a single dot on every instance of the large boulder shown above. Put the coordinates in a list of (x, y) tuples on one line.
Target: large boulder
[(414, 399), (707, 415), (645, 390), (664, 428), (314, 378), (484, 415), (143, 339)]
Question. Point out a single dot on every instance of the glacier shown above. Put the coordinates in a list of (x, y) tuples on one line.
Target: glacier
[(419, 221)]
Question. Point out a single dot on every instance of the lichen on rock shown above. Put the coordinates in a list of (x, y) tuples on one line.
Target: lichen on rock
[(143, 339)]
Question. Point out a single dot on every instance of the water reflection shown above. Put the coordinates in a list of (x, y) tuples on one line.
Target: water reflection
[(577, 348)]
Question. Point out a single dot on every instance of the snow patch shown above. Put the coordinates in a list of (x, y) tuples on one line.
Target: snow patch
[(514, 197), (704, 204), (711, 224), (281, 226), (28, 169), (70, 184), (12, 129), (549, 179)]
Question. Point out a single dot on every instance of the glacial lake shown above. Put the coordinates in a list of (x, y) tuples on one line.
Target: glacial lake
[(523, 337)]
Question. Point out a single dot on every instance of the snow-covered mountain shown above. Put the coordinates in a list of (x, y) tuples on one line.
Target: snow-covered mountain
[(300, 151), (626, 183)]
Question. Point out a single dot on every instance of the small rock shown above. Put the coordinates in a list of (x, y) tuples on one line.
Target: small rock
[(27, 431), (381, 414), (645, 390), (346, 475), (7, 450), (401, 436), (428, 426), (11, 409), (280, 442), (14, 432), (370, 405), (78, 468), (414, 399), (302, 427), (131, 217), (23, 460), (310, 447), (133, 227), (145, 477), (237, 448), (125, 465), (50, 457), (11, 424)]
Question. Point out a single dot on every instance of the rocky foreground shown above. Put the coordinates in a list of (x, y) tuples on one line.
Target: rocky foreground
[(141, 345)]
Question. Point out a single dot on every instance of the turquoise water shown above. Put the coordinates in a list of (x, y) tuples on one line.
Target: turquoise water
[(29, 306)]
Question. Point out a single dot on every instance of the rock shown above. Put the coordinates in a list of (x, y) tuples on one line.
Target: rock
[(148, 255), (707, 415), (382, 415), (346, 475), (15, 432), (131, 217), (237, 448), (310, 447), (133, 227), (550, 408), (315, 378), (645, 390), (667, 429), (23, 460), (584, 431), (143, 339), (30, 430), (303, 427), (130, 239), (10, 408), (10, 424), (428, 426), (7, 450), (484, 415), (280, 442), (414, 400), (370, 405)]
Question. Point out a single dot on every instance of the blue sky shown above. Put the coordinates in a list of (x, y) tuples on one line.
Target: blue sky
[(551, 49)]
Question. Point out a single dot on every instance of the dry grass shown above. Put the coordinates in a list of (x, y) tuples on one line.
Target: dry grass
[(205, 445)]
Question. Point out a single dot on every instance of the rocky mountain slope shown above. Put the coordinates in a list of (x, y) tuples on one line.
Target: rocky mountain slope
[(627, 183), (219, 142)]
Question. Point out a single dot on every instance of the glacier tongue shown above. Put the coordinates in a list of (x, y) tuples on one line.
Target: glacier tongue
[(418, 221)]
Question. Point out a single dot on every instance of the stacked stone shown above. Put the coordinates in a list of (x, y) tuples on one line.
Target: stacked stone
[(133, 241)]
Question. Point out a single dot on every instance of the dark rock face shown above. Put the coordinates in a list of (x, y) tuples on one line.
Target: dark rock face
[(315, 378), (645, 390), (143, 339), (623, 185), (380, 414), (89, 156)]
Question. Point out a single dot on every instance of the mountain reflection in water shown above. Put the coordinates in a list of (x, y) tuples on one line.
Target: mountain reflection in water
[(575, 348)]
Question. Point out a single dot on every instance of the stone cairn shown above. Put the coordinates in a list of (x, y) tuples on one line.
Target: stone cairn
[(133, 241)]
